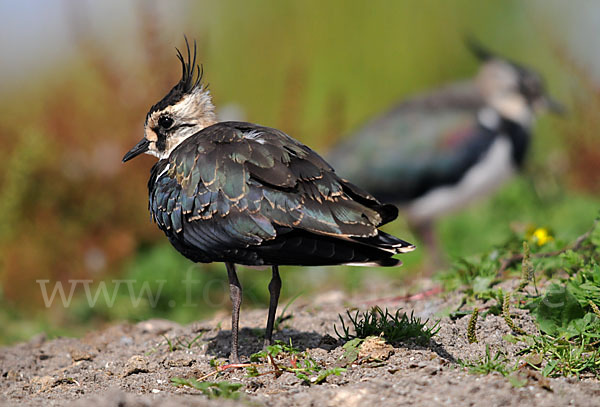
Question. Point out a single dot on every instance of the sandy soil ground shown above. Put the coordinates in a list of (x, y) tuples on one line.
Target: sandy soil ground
[(131, 364)]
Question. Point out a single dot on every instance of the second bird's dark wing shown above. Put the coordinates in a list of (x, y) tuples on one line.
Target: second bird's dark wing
[(422, 143), (253, 195)]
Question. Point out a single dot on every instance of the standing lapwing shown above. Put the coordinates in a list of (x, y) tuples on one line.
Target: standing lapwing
[(241, 193), (439, 151)]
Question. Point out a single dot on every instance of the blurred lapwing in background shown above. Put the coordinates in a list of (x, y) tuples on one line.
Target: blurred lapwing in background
[(241, 193), (439, 151)]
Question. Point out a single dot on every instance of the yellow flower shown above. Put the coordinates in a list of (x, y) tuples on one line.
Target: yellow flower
[(541, 236)]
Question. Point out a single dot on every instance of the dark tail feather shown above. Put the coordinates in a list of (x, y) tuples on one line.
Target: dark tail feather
[(388, 212), (387, 242), (308, 249)]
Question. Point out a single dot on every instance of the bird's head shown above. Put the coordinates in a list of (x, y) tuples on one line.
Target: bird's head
[(514, 91), (184, 111)]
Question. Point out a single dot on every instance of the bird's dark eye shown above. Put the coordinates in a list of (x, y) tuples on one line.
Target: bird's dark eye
[(165, 122)]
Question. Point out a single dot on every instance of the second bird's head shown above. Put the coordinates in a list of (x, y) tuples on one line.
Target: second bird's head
[(516, 92), (184, 111)]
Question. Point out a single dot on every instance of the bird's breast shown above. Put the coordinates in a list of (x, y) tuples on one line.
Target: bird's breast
[(484, 177)]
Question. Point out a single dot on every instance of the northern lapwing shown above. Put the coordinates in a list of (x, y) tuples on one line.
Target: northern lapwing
[(439, 151), (240, 193)]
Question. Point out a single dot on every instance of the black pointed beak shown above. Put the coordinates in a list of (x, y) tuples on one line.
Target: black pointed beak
[(138, 149)]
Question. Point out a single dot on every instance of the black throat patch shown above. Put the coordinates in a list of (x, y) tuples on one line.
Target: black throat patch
[(519, 137), (161, 142)]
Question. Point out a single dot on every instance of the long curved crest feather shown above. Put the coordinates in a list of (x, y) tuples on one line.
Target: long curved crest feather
[(191, 73), (482, 53), (191, 77)]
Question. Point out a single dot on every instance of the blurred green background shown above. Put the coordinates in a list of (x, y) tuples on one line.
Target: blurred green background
[(77, 78)]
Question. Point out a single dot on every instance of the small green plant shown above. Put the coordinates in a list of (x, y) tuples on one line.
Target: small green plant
[(527, 269), (213, 390), (488, 364), (393, 328), (472, 326), (191, 343), (560, 357), (172, 347), (500, 363), (274, 350), (351, 351), (181, 342), (594, 308), (280, 358), (507, 317)]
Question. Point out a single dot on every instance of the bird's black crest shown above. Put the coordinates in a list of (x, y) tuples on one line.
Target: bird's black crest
[(480, 52), (530, 82), (191, 76)]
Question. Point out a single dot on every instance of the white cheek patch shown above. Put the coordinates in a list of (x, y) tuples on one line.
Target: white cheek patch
[(515, 108)]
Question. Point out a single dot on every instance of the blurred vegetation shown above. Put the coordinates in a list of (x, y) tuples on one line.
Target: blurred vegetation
[(70, 210)]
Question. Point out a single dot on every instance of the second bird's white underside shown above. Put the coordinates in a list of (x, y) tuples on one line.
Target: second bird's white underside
[(480, 180)]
